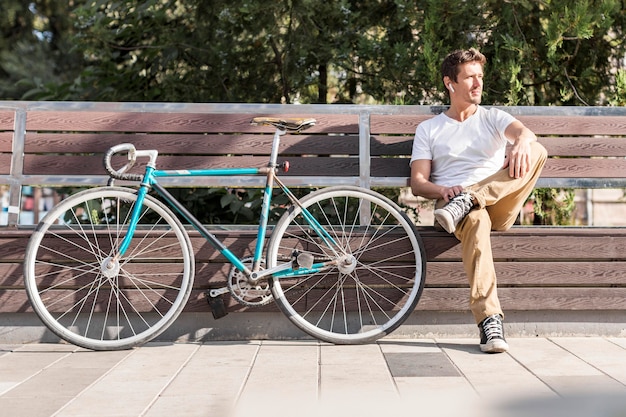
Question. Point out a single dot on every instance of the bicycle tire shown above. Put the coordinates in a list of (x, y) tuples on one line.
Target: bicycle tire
[(88, 305), (351, 306)]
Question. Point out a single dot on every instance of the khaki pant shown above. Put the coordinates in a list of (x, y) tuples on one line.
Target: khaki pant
[(498, 200)]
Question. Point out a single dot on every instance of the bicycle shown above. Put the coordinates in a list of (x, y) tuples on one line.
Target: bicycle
[(316, 264)]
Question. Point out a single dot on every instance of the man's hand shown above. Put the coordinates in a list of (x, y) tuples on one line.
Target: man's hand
[(517, 157), (448, 193)]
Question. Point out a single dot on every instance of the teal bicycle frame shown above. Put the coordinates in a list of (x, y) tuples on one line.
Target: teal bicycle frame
[(150, 180)]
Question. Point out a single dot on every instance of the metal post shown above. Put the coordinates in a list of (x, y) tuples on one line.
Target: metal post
[(365, 165), (17, 168)]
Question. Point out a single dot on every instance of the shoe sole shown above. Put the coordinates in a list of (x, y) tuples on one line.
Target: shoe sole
[(495, 346), (445, 220)]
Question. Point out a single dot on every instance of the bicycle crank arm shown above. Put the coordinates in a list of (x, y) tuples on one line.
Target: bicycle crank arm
[(258, 275), (216, 292)]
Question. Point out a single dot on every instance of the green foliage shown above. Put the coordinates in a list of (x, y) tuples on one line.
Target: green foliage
[(553, 206), (35, 49), (232, 205), (546, 52), (619, 95)]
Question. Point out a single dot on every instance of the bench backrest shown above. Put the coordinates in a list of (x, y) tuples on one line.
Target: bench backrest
[(67, 147), (584, 151), (62, 144)]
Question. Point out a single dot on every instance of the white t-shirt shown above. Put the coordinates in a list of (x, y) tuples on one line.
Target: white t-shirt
[(463, 153)]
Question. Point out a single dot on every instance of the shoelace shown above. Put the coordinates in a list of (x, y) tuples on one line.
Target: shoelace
[(460, 205), (493, 329)]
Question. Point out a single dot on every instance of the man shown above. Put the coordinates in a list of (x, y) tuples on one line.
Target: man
[(461, 159)]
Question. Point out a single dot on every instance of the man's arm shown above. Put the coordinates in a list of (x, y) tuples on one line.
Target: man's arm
[(517, 158), (421, 185)]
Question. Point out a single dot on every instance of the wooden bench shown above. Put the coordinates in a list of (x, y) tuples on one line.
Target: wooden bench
[(539, 268)]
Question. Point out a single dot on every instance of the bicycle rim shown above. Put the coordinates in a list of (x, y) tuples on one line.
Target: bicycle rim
[(86, 298), (352, 305)]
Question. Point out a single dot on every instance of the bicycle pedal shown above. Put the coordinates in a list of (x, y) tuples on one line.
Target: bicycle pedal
[(218, 308)]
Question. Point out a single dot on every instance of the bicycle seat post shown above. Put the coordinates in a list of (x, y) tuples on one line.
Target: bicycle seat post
[(282, 125), (276, 146)]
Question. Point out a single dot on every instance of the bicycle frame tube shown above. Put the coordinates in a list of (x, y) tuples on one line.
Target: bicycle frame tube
[(267, 199), (134, 218)]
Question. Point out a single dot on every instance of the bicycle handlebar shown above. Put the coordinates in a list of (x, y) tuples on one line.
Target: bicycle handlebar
[(133, 154)]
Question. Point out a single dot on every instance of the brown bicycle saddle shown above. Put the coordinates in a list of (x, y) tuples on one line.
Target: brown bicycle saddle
[(289, 123)]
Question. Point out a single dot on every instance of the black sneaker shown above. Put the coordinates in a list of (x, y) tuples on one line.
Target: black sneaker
[(492, 335), (452, 213)]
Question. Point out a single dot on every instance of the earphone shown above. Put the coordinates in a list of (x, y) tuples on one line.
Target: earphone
[(450, 86)]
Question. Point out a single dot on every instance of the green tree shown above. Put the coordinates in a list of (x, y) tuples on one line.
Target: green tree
[(543, 52), (35, 49)]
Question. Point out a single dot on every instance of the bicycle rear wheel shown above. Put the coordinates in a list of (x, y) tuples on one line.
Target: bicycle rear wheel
[(88, 297), (370, 294)]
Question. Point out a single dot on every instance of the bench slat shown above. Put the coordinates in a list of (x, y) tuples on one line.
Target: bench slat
[(5, 163), (554, 168), (537, 244), (540, 125), (585, 146), (7, 120), (6, 141), (92, 165), (575, 125), (529, 299), (173, 122), (544, 274), (187, 144), (569, 146)]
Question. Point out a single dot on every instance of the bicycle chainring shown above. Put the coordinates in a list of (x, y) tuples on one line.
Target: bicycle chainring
[(248, 294)]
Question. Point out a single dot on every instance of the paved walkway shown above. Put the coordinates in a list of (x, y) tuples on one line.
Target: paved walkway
[(394, 377)]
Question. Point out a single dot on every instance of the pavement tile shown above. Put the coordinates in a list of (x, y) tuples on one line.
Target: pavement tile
[(603, 354), (133, 384), (404, 364), (282, 373), (497, 376), (209, 384), (348, 371), (620, 341), (19, 366), (56, 383)]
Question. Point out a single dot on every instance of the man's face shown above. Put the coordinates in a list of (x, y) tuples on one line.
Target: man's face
[(469, 85)]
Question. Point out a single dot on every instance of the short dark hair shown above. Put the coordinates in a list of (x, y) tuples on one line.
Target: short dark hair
[(450, 65)]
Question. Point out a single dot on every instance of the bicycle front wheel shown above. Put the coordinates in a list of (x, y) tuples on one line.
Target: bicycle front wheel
[(378, 279), (89, 296)]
